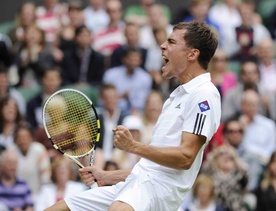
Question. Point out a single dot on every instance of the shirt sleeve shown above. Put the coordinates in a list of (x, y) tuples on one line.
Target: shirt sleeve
[(203, 112)]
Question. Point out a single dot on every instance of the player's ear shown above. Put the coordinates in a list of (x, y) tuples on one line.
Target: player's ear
[(194, 54)]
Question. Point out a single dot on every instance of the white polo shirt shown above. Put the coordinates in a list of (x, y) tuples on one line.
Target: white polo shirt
[(195, 108)]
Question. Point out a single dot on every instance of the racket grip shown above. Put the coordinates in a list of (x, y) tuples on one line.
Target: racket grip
[(95, 185)]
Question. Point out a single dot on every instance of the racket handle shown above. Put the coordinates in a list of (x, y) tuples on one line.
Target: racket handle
[(95, 185)]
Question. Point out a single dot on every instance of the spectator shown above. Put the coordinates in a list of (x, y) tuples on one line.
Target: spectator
[(233, 133), (271, 24), (199, 11), (157, 19), (14, 192), (34, 56), (132, 37), (62, 185), (6, 56), (267, 63), (3, 207), (239, 42), (217, 140), (154, 61), (204, 195), (76, 18), (50, 17), (229, 175), (110, 116), (10, 119), (132, 82), (112, 36), (225, 14), (181, 13), (266, 194), (263, 144), (138, 13), (151, 112), (249, 79), (25, 17), (7, 90), (34, 161), (223, 78), (272, 110), (124, 159), (95, 15), (50, 83), (82, 64)]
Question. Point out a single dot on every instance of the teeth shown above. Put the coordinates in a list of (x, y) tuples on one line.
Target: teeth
[(165, 59)]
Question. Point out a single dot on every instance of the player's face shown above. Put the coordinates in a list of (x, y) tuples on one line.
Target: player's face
[(175, 54)]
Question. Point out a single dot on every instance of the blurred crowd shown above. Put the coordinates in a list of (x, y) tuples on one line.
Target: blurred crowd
[(111, 53)]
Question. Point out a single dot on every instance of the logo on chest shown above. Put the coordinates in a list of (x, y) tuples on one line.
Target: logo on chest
[(204, 106)]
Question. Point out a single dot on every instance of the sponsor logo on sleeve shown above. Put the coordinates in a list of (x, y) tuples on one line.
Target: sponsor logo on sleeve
[(204, 106)]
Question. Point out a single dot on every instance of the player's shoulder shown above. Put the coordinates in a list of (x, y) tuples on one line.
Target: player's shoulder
[(207, 88), (206, 95)]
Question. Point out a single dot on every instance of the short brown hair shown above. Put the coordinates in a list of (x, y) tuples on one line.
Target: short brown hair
[(198, 35)]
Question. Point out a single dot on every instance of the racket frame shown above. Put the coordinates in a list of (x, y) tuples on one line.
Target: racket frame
[(91, 152)]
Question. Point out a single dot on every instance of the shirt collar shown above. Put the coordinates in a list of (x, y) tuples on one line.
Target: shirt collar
[(191, 85), (196, 82)]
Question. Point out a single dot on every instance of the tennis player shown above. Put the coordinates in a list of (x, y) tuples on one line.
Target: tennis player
[(170, 164)]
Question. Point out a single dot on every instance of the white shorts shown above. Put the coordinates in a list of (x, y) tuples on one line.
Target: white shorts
[(139, 191)]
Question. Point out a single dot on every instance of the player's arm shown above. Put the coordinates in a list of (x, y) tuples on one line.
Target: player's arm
[(113, 177), (180, 157), (90, 173)]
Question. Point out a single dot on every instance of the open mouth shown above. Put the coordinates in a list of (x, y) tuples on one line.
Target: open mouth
[(165, 60)]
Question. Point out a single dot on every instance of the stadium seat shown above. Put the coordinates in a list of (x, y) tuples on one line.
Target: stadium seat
[(89, 91), (28, 92), (234, 66), (265, 8), (5, 27)]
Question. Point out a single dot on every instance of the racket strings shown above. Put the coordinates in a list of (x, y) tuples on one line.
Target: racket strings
[(72, 123)]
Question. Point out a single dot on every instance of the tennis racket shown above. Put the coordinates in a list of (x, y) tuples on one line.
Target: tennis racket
[(72, 125)]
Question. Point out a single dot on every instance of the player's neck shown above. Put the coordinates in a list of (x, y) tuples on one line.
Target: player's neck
[(190, 75)]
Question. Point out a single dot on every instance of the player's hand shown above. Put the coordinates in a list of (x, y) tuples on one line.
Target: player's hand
[(89, 174), (123, 139)]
